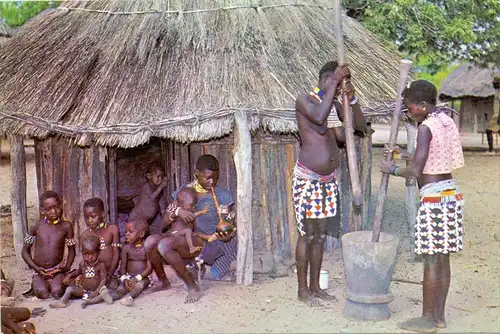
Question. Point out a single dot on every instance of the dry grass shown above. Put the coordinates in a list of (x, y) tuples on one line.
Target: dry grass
[(84, 69), (469, 80)]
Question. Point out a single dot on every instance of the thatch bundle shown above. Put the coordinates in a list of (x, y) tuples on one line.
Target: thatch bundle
[(469, 80), (118, 72)]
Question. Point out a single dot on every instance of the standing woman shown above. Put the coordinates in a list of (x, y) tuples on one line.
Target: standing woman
[(439, 227)]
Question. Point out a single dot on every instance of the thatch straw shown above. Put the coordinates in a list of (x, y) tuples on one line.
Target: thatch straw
[(4, 32), (469, 80), (118, 72)]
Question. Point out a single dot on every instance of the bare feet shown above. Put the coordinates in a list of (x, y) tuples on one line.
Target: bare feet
[(193, 296), (160, 286), (422, 325), (58, 305), (308, 298), (440, 323), (127, 301), (194, 249), (321, 294), (106, 296)]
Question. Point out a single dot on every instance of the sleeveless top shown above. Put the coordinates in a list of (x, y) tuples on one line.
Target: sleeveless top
[(445, 149)]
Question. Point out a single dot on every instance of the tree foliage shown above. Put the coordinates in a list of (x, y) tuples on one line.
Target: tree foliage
[(443, 31), (16, 13)]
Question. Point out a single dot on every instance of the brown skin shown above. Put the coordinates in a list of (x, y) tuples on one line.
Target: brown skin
[(48, 257), (173, 250), (134, 262), (94, 284), (182, 229), (12, 317), (437, 270), (111, 255), (319, 152), (149, 199)]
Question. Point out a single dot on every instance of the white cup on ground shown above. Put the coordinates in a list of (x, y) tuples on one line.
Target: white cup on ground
[(323, 280)]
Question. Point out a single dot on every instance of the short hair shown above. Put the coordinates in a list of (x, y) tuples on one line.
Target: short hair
[(91, 242), (155, 166), (187, 191), (207, 162), (140, 224), (420, 91), (330, 66), (94, 202), (50, 194)]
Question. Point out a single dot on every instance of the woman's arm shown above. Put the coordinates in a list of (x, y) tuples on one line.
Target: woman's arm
[(417, 165)]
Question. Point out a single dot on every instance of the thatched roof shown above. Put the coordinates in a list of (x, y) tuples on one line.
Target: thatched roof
[(469, 80), (118, 72)]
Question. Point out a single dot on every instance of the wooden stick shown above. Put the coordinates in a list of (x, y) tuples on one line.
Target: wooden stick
[(404, 69), (411, 186), (349, 131), (243, 162), (18, 196)]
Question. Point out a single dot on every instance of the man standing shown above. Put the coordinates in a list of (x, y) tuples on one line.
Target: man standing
[(494, 123), (314, 184)]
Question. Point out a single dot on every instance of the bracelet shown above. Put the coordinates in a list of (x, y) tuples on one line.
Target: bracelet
[(138, 277), (123, 277), (177, 212), (354, 101), (395, 170)]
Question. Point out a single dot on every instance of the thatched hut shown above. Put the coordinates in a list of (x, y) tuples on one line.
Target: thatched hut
[(473, 86), (104, 87), (4, 32)]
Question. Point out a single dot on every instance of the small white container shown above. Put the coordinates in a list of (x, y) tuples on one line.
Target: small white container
[(323, 280)]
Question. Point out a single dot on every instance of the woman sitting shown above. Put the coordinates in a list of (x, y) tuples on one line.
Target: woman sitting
[(174, 250)]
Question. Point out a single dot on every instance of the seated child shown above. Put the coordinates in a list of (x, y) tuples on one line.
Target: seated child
[(187, 199), (90, 282), (135, 266), (49, 235), (93, 211), (13, 321), (148, 205)]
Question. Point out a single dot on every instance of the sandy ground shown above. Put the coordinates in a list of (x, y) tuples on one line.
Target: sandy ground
[(269, 305)]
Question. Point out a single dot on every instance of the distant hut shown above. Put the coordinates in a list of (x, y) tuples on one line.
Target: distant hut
[(106, 87), (473, 86)]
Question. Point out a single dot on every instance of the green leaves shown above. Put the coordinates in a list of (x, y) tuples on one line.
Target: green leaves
[(16, 13), (444, 31)]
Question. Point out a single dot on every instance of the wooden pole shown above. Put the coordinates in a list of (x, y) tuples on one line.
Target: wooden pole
[(348, 122), (366, 177), (18, 195), (113, 187), (243, 162), (411, 186), (404, 69)]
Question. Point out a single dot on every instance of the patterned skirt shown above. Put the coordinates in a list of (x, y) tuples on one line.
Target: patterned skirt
[(315, 196), (440, 224)]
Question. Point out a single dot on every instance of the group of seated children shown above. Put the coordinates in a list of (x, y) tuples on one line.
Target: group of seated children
[(94, 280)]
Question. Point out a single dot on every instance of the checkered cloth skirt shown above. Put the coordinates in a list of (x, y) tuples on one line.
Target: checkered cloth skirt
[(314, 195), (439, 228)]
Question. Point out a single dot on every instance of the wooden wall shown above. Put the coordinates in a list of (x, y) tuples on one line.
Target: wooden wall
[(475, 114), (80, 173), (75, 173)]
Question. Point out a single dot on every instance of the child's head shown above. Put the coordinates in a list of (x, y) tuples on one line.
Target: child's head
[(136, 230), (93, 212), (419, 97), (51, 205), (155, 174), (187, 199), (91, 249)]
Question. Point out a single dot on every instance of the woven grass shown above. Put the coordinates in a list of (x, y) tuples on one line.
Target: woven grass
[(118, 72), (469, 80)]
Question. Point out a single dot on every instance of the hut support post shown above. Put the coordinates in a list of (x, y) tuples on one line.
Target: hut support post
[(113, 187), (243, 162), (411, 187), (19, 216)]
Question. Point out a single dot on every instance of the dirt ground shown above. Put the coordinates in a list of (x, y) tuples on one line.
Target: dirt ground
[(269, 305)]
